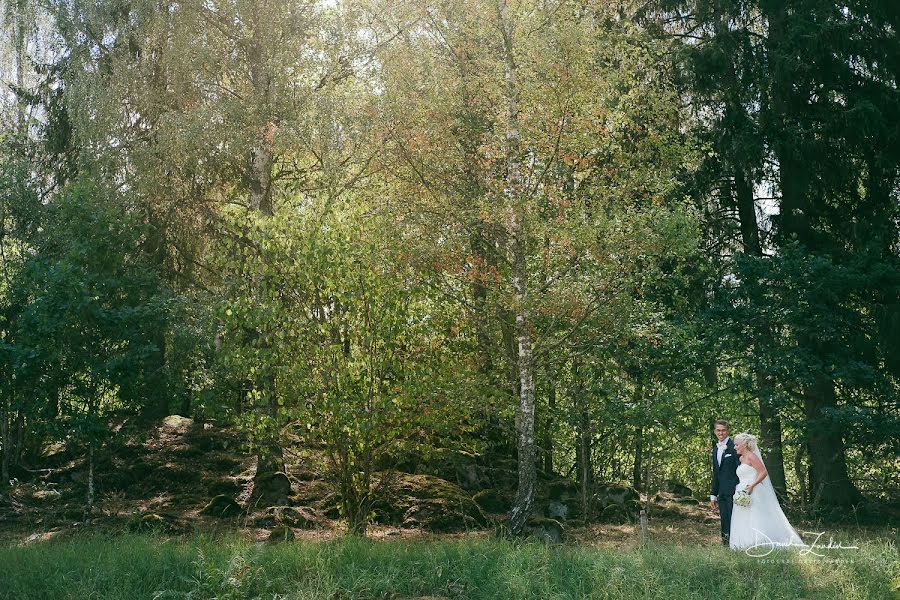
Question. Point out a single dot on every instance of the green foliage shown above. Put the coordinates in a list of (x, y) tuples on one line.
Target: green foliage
[(340, 344), (82, 313)]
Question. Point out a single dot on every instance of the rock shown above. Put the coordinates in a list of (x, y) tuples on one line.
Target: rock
[(300, 517), (615, 514), (270, 489), (611, 493), (665, 510), (625, 498), (549, 530), (676, 488), (222, 506), (493, 500), (177, 422), (427, 502), (670, 498), (559, 498), (282, 533), (470, 471), (156, 522), (439, 515), (562, 489), (557, 510)]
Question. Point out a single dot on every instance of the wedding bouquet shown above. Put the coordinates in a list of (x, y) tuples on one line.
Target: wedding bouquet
[(742, 498)]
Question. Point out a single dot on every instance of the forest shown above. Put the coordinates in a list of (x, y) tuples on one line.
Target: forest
[(527, 249)]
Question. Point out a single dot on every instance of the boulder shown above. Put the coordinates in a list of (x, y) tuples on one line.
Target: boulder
[(557, 510), (468, 470), (562, 489), (222, 506), (670, 498), (615, 503), (270, 489), (429, 503), (178, 423), (549, 530), (616, 515), (493, 500), (559, 498), (676, 488), (161, 523)]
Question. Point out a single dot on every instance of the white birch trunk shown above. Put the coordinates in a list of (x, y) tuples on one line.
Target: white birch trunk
[(521, 510)]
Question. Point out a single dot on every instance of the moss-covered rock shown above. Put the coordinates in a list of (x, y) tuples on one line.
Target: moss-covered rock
[(493, 500), (676, 488), (162, 523), (177, 422), (615, 514), (427, 502), (270, 489), (549, 530), (222, 506), (614, 503)]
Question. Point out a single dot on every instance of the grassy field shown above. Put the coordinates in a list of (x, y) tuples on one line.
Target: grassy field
[(126, 566)]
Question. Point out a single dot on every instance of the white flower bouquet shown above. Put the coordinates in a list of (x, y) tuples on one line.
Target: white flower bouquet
[(742, 498)]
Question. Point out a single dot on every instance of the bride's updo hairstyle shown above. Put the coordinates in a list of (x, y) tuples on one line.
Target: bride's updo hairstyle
[(747, 438)]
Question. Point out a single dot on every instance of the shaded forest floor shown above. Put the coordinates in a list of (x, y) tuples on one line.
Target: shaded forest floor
[(161, 484)]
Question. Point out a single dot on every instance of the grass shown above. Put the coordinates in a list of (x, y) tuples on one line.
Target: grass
[(129, 566)]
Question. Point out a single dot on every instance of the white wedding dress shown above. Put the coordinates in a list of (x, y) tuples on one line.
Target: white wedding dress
[(762, 526)]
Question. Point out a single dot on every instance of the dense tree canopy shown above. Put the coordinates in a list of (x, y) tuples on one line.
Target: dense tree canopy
[(569, 233)]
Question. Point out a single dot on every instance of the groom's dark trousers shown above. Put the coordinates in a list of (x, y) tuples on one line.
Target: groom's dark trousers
[(724, 482), (726, 503)]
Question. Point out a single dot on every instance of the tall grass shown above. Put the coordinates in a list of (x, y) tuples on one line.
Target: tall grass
[(144, 566)]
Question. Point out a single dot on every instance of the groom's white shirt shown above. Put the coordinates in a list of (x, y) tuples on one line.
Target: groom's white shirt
[(719, 452)]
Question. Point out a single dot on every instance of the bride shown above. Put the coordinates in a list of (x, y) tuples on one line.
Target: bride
[(761, 525)]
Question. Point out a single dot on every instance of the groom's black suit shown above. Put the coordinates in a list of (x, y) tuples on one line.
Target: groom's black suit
[(724, 482)]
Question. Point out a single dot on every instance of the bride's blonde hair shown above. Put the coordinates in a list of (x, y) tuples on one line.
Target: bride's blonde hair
[(748, 438)]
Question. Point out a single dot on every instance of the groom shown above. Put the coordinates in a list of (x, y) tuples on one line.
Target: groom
[(724, 477)]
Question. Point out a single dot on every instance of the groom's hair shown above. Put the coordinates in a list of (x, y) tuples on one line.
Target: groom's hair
[(723, 422)]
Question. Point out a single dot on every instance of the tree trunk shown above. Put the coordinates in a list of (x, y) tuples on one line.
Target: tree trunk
[(525, 414), (769, 419), (586, 468), (90, 478), (548, 430), (801, 474), (20, 42), (638, 458), (5, 441), (827, 458), (770, 435), (270, 457)]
